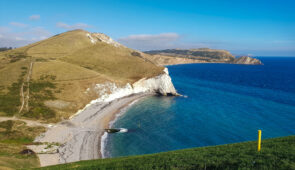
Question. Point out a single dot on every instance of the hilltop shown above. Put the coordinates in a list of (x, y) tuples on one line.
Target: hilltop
[(62, 85), (60, 69), (200, 55)]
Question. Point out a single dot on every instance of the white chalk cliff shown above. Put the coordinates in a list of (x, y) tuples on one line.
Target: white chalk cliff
[(161, 84)]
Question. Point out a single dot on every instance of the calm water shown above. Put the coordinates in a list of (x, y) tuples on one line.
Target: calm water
[(225, 104)]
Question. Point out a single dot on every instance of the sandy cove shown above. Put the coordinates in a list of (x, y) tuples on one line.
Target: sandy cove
[(80, 137)]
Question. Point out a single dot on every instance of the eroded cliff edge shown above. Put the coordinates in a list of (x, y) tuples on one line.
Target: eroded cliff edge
[(247, 60)]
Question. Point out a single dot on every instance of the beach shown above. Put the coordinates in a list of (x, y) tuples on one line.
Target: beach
[(79, 138)]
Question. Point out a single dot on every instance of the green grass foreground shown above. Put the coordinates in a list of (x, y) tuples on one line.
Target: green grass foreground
[(276, 153)]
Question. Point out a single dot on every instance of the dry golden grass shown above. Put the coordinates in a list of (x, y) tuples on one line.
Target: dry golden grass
[(13, 138), (76, 64), (116, 63), (14, 162), (12, 71), (74, 93), (73, 64), (60, 45), (62, 71), (163, 60)]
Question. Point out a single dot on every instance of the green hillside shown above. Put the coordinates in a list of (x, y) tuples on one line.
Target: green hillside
[(35, 80), (276, 153), (201, 54)]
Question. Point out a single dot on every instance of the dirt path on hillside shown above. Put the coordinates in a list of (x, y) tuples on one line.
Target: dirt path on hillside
[(22, 98), (25, 100), (28, 88), (29, 122)]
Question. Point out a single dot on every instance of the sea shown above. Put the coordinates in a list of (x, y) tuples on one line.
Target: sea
[(221, 104)]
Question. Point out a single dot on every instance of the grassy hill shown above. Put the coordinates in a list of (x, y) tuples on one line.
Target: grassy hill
[(276, 153), (47, 81), (37, 79), (200, 54)]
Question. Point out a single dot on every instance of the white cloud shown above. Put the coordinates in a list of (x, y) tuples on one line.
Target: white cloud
[(150, 37), (18, 24), (150, 41), (4, 29), (146, 42), (18, 39), (34, 17), (74, 26)]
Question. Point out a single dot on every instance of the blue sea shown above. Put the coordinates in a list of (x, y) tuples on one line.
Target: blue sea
[(225, 103)]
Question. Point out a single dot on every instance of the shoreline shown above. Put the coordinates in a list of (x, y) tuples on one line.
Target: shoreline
[(81, 137), (115, 116)]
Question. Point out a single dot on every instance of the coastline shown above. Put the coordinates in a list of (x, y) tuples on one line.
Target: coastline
[(115, 116), (197, 63), (82, 137)]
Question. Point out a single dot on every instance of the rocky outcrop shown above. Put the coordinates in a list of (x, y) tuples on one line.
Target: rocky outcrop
[(160, 84), (95, 37), (247, 60)]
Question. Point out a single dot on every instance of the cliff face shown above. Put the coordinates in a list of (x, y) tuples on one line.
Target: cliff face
[(247, 60), (109, 91), (161, 84)]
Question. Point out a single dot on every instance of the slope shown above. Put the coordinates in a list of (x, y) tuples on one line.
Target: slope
[(47, 80), (276, 153)]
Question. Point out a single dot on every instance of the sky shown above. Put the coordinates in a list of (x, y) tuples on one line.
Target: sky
[(244, 27)]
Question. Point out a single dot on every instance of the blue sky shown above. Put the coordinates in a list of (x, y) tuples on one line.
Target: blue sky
[(257, 27)]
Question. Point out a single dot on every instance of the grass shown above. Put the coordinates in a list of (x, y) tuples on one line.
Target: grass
[(14, 136), (41, 91), (11, 72), (117, 63), (60, 45), (17, 132), (10, 101), (62, 70), (276, 153), (203, 54), (76, 63)]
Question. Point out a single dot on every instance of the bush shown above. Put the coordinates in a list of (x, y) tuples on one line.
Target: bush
[(41, 91)]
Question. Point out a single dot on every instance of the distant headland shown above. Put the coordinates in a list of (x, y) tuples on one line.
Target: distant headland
[(200, 55)]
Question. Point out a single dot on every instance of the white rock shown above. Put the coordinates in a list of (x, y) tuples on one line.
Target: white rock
[(161, 84), (93, 40), (94, 37)]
